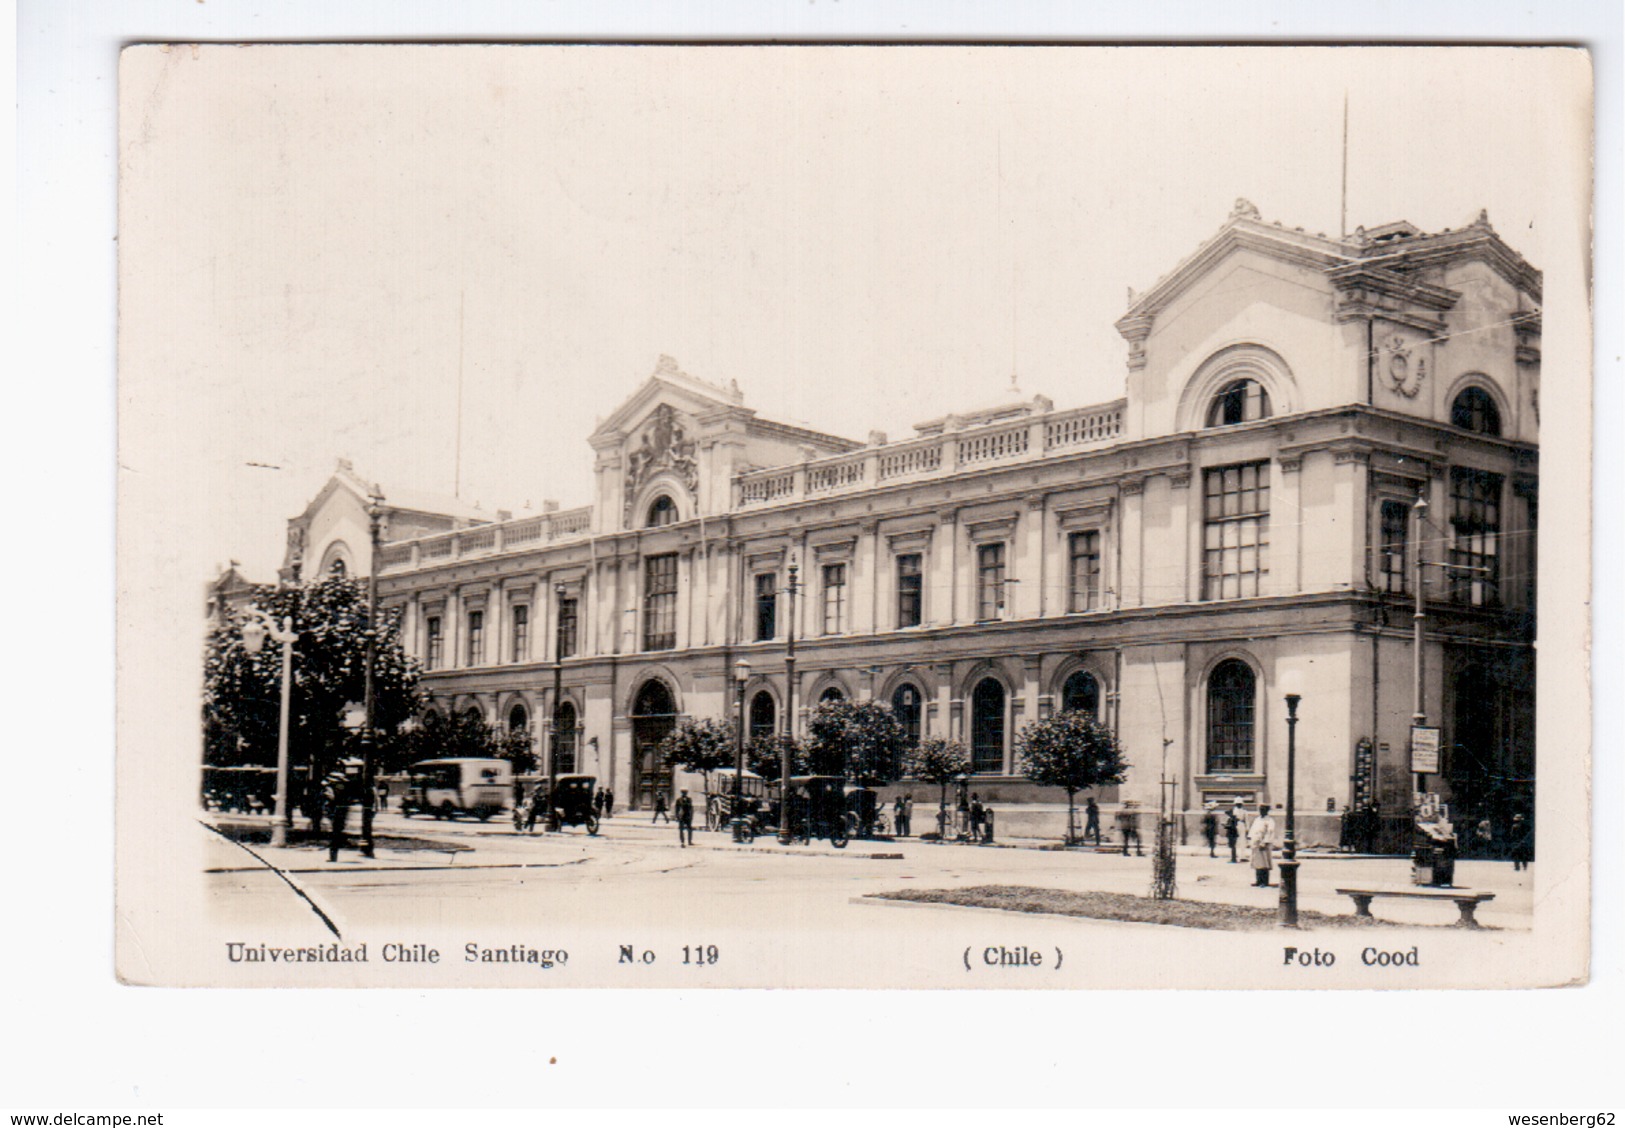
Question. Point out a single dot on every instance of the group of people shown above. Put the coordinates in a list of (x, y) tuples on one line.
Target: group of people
[(1260, 835)]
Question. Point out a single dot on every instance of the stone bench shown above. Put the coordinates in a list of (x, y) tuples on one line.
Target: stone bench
[(1466, 900)]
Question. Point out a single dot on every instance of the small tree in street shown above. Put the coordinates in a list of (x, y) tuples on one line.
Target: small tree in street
[(938, 761), (701, 745), (1072, 751), (516, 747), (763, 756), (861, 740)]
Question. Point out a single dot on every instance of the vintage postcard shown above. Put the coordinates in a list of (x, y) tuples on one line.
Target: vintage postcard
[(913, 516)]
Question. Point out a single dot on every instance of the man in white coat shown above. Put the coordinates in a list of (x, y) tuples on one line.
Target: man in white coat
[(1261, 840)]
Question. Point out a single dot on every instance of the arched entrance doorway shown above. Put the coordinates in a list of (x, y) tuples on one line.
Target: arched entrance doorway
[(654, 715)]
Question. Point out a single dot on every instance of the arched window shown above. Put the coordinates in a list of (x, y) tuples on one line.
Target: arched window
[(662, 511), (337, 569), (987, 726), (1240, 401), (1231, 700), (906, 705), (763, 715), (833, 693), (564, 739), (1475, 410), (472, 715), (518, 719), (1081, 694)]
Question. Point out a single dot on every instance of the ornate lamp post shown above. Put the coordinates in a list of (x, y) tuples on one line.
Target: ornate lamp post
[(789, 711), (369, 752), (558, 695), (255, 632), (1418, 709), (741, 676), (1289, 848)]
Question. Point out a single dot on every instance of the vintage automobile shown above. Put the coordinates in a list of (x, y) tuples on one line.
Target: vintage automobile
[(817, 809), (864, 816), (719, 800), (452, 787), (573, 802)]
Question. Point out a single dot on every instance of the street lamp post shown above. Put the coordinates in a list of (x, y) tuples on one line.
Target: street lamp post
[(369, 752), (1289, 848), (789, 711), (254, 635), (558, 694), (741, 676), (1418, 711)]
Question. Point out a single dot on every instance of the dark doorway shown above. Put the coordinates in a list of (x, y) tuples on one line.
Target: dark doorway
[(654, 715)]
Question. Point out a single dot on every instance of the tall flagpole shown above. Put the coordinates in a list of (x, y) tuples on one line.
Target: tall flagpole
[(1343, 226), (457, 477)]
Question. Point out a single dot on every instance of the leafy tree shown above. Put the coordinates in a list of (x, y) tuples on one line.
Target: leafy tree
[(762, 755), (861, 740), (516, 747), (451, 736), (701, 745), (938, 761), (1074, 751), (241, 692)]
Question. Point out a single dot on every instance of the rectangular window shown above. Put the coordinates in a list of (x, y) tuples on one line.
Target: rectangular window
[(1235, 530), (1083, 574), (1393, 563), (834, 598), (476, 638), (567, 628), (521, 633), (1475, 534), (660, 602), (767, 606), (990, 581), (433, 649), (910, 591)]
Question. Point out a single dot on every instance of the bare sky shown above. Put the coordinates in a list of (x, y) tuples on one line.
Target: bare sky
[(314, 240)]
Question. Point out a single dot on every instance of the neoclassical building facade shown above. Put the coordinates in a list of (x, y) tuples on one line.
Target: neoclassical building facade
[(1242, 520)]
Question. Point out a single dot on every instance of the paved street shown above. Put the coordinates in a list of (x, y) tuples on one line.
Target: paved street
[(793, 914)]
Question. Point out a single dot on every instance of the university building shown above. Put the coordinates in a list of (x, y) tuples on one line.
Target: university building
[(1242, 521)]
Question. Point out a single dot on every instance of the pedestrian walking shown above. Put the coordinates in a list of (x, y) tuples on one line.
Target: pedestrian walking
[(660, 808), (609, 802), (1128, 825), (1232, 832), (1261, 840), (899, 817), (1210, 827), (598, 802), (336, 798), (685, 819), (1091, 816), (976, 812), (1523, 843)]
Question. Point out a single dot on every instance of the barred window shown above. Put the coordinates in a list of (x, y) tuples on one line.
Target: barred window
[(1393, 571), (521, 632), (434, 643), (1475, 410), (1475, 534), (763, 715), (1231, 693), (767, 606), (906, 705), (567, 628), (564, 739), (987, 726), (834, 598), (1240, 401), (1083, 575), (476, 638), (990, 581), (1081, 694), (1236, 522), (660, 602), (910, 591)]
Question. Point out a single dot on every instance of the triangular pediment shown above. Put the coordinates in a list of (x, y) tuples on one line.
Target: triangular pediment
[(673, 387), (1243, 233)]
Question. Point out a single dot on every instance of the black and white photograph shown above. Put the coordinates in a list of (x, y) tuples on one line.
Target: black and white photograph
[(821, 516)]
